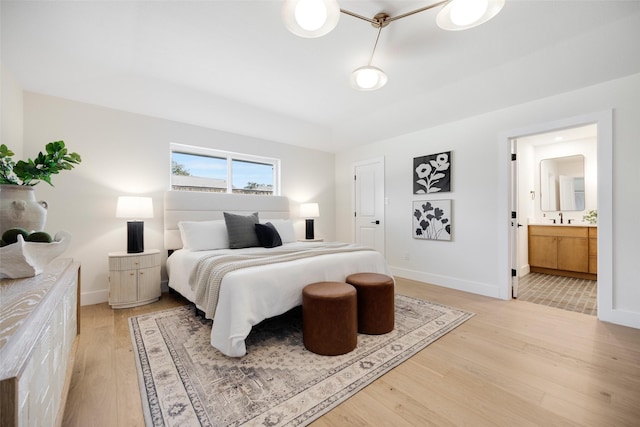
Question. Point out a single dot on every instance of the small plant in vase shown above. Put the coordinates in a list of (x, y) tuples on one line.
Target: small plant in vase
[(591, 217), (24, 247), (18, 206)]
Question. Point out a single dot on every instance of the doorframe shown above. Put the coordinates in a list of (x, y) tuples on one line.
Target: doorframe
[(604, 122), (514, 207)]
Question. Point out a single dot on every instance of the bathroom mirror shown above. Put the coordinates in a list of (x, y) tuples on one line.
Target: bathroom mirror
[(562, 184)]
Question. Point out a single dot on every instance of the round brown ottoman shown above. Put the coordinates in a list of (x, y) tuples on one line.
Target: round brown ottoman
[(329, 318), (376, 302)]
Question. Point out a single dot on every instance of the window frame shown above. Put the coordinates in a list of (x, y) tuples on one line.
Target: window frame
[(229, 156)]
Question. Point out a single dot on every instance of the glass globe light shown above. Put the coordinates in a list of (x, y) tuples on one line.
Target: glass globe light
[(464, 14), (368, 78), (310, 18)]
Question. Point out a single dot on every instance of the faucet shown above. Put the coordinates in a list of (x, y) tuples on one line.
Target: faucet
[(560, 213)]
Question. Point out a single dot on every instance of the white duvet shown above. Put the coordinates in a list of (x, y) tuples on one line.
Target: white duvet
[(250, 295)]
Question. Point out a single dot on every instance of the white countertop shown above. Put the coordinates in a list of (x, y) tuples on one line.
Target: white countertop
[(573, 224)]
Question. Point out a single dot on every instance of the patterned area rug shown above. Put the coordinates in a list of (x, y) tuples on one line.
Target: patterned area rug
[(185, 381)]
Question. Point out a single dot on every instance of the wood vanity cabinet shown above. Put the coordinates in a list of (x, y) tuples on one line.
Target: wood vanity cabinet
[(593, 250), (562, 250)]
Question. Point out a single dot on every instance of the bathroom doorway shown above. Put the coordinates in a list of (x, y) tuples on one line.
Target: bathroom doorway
[(557, 205)]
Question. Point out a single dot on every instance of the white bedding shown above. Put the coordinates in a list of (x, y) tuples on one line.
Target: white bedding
[(250, 295)]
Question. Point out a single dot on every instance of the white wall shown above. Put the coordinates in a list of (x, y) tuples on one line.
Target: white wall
[(124, 153), (10, 112), (472, 261)]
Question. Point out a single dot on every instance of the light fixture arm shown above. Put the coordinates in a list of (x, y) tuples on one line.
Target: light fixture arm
[(383, 19), (375, 44), (422, 9), (364, 18)]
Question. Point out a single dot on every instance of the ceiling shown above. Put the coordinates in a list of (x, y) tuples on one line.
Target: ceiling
[(232, 66), (561, 135)]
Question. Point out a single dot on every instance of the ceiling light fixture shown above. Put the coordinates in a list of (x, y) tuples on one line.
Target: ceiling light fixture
[(315, 18), (370, 77), (310, 18)]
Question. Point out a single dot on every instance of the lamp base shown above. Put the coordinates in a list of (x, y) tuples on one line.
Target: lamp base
[(309, 234), (135, 237)]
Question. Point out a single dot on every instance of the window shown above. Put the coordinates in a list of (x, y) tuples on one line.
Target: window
[(205, 169)]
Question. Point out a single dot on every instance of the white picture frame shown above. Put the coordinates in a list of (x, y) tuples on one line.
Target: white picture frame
[(432, 220)]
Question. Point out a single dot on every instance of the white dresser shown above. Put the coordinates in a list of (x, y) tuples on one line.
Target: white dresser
[(39, 324)]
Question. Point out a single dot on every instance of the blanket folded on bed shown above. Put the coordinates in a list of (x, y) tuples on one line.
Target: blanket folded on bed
[(207, 276)]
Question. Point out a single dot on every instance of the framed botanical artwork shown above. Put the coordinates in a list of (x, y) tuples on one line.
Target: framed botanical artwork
[(432, 173), (432, 219)]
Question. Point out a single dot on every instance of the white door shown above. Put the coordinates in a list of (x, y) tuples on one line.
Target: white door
[(513, 234), (368, 197)]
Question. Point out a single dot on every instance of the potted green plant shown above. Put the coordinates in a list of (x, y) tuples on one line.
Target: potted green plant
[(31, 172), (18, 206), (591, 217)]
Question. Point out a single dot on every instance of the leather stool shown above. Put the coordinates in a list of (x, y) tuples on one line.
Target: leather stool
[(376, 302), (329, 318)]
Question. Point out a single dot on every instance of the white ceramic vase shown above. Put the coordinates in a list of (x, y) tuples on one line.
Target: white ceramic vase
[(19, 208)]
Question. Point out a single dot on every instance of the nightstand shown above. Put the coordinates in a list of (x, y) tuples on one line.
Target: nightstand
[(134, 279)]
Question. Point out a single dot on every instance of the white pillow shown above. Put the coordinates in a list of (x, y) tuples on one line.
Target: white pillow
[(204, 235), (284, 227)]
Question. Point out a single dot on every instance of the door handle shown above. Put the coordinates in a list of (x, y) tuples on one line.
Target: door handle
[(375, 222)]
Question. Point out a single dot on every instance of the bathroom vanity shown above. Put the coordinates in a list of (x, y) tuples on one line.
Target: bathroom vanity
[(564, 250)]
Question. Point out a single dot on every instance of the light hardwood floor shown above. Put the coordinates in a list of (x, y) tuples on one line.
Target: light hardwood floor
[(513, 364)]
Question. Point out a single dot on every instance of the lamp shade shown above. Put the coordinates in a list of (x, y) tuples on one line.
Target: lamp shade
[(309, 210), (464, 14), (310, 18), (134, 207), (368, 78)]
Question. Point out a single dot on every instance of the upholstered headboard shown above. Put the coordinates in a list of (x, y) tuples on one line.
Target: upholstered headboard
[(202, 206)]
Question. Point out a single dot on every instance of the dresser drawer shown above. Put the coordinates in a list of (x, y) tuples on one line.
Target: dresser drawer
[(120, 263)]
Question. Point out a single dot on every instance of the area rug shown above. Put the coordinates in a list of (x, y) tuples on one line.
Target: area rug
[(184, 381)]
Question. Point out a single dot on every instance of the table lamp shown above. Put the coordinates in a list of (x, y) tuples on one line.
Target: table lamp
[(309, 211), (134, 208)]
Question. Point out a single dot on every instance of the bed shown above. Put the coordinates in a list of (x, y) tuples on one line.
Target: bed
[(248, 284)]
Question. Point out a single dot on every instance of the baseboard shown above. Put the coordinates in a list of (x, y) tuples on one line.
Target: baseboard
[(98, 297), (620, 317), (95, 297), (449, 282)]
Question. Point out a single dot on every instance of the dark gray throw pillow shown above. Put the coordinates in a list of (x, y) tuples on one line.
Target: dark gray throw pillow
[(268, 235), (241, 230)]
